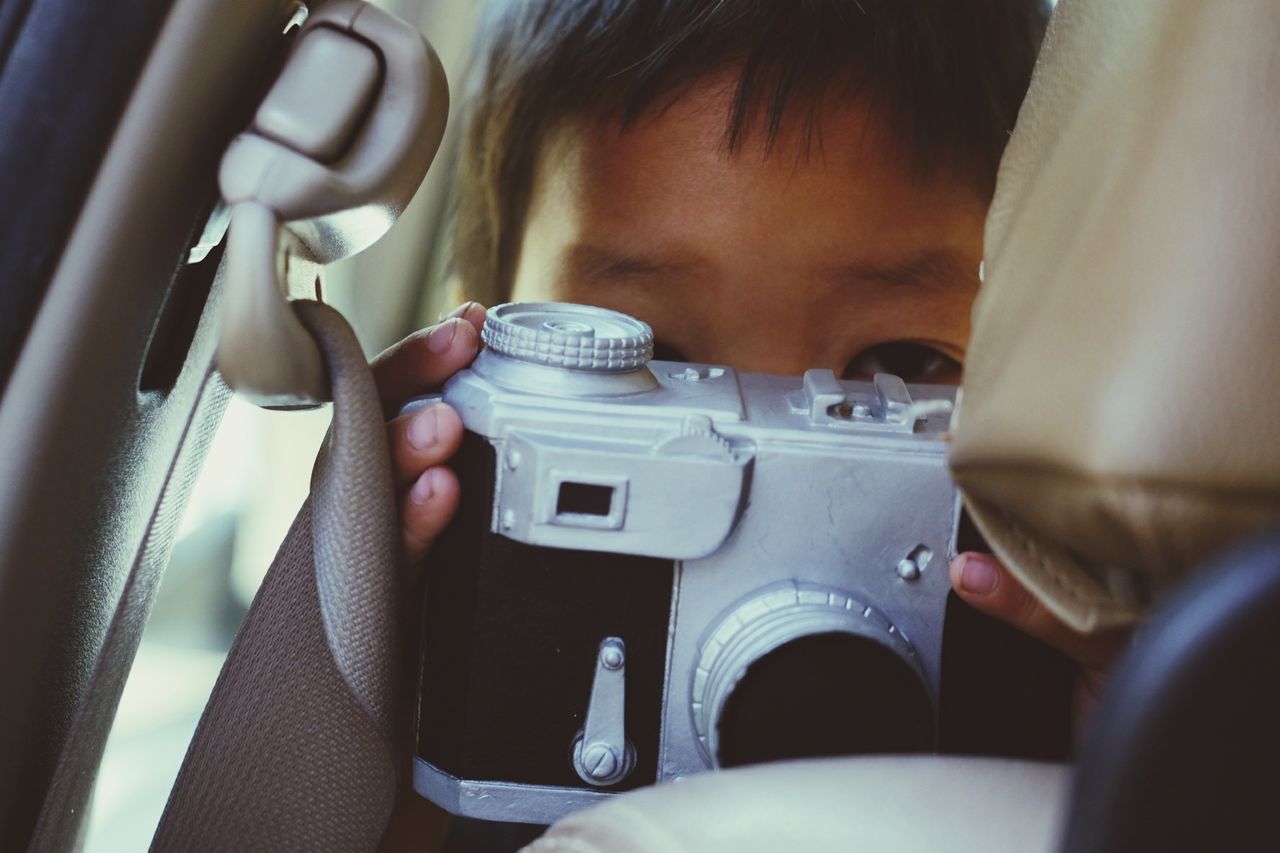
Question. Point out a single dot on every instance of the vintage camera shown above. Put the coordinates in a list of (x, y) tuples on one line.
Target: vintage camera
[(662, 568)]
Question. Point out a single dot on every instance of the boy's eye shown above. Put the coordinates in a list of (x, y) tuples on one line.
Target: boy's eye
[(911, 361), (665, 352)]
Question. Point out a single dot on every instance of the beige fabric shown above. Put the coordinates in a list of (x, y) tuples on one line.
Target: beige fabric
[(1120, 411), (851, 805)]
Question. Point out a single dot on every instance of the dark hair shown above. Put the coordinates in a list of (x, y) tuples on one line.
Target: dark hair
[(947, 75)]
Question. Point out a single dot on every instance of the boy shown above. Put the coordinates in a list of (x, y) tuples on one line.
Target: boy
[(771, 185)]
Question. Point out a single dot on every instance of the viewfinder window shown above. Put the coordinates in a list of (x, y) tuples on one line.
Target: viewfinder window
[(584, 499)]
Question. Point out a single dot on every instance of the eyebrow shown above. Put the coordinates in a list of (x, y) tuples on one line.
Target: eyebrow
[(585, 261), (932, 267)]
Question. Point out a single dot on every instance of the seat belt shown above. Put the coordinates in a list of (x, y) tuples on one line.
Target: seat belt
[(299, 747)]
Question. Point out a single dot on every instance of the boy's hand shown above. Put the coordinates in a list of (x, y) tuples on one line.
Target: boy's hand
[(984, 582), (422, 442)]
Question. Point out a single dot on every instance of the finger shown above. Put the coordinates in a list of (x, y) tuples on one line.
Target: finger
[(985, 583), (420, 440), (473, 312), (425, 510), (421, 362)]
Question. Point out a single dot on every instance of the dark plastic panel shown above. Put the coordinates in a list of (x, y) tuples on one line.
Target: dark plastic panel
[(68, 68), (1184, 750)]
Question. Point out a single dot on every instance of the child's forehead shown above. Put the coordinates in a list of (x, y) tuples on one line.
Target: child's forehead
[(839, 142), (710, 108), (666, 193)]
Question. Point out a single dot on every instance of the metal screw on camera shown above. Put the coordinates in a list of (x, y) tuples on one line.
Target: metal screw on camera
[(912, 566), (611, 655), (599, 761)]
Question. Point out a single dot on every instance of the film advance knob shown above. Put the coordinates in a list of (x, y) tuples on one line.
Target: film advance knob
[(578, 337)]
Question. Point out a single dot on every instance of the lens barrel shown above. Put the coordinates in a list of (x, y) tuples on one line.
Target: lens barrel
[(801, 671)]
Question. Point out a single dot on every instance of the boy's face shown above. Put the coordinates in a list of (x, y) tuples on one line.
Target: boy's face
[(771, 262)]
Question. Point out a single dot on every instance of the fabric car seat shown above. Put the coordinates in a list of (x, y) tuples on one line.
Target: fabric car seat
[(1116, 433)]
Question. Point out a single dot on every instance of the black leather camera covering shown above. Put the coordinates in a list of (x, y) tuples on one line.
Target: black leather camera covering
[(1004, 693), (510, 639)]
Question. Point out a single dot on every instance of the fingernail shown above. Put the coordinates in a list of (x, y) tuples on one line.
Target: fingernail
[(423, 428), (442, 336), (423, 490), (978, 576), (461, 310)]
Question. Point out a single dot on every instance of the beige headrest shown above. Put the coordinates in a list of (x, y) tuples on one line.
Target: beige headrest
[(868, 804), (1121, 412)]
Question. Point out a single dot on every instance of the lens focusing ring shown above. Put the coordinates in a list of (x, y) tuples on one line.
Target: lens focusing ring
[(578, 337)]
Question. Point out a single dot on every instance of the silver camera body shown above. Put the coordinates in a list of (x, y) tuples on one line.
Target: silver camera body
[(787, 507)]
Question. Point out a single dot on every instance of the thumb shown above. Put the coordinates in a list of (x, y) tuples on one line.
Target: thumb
[(984, 582)]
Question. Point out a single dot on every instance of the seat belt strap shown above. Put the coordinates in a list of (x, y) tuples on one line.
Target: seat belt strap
[(298, 747)]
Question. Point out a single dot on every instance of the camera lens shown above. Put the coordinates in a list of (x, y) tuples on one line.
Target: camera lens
[(821, 695), (798, 670)]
